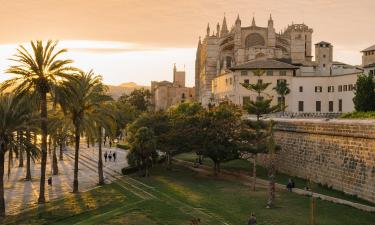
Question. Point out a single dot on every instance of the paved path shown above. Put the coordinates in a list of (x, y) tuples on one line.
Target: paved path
[(21, 194)]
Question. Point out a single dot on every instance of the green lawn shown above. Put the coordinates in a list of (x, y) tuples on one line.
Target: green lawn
[(244, 166), (174, 197)]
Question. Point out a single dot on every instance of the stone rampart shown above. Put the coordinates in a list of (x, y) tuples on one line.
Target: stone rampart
[(336, 153)]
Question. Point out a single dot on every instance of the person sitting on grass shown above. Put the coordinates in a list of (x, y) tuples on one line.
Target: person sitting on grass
[(252, 220), (290, 185)]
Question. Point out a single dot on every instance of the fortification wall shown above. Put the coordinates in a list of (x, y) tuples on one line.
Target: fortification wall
[(337, 153)]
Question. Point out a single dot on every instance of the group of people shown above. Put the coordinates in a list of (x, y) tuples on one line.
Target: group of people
[(110, 155)]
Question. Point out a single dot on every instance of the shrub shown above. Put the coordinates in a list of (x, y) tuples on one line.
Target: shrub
[(359, 115), (129, 170), (123, 146)]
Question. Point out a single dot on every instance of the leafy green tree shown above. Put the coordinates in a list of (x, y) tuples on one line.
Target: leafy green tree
[(79, 96), (139, 98), (282, 89), (14, 116), (142, 149), (184, 128), (39, 72), (219, 134), (364, 93)]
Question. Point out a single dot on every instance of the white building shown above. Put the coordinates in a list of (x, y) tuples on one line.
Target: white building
[(228, 58)]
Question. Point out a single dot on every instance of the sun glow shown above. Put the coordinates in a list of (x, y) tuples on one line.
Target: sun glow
[(118, 62)]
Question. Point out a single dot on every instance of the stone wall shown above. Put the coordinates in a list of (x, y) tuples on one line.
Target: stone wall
[(336, 153)]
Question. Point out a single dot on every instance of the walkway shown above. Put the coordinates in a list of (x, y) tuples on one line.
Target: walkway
[(21, 194)]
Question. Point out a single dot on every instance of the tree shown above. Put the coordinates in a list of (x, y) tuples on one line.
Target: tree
[(282, 90), (142, 149), (39, 72), (219, 132), (271, 149), (184, 129), (262, 104), (14, 116), (79, 96), (139, 98), (364, 93)]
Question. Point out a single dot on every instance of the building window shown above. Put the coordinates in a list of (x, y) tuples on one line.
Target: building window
[(226, 81), (183, 96), (345, 87), (318, 106), (331, 89), (282, 73), (230, 81), (330, 106), (246, 81), (300, 106), (324, 56), (260, 81), (318, 89), (324, 65), (340, 105), (260, 98), (245, 100), (300, 88), (269, 72), (340, 88), (243, 73)]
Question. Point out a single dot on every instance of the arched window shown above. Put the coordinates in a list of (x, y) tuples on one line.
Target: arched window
[(254, 39)]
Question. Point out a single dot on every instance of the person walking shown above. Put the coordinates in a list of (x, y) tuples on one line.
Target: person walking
[(110, 143), (114, 156), (105, 156), (110, 156)]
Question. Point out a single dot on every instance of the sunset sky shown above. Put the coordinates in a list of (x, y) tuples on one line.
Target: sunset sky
[(139, 40)]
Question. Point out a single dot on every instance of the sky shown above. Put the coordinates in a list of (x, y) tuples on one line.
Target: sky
[(140, 40)]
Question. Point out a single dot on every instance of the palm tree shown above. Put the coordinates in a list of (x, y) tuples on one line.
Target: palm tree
[(104, 118), (13, 117), (282, 89), (79, 97), (39, 72)]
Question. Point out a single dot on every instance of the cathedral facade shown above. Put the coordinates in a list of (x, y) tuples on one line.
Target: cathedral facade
[(226, 58)]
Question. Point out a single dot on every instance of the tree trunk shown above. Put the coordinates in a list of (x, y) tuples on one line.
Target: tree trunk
[(10, 161), (169, 161), (271, 188), (76, 156), (20, 148), (254, 171), (2, 198), (28, 158), (55, 167), (61, 157), (43, 126), (100, 155)]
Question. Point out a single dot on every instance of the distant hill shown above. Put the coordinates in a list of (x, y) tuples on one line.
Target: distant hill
[(127, 88)]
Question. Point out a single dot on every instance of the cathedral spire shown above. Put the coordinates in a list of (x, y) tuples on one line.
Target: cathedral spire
[(208, 29), (217, 29), (253, 22), (238, 21), (270, 21), (224, 28)]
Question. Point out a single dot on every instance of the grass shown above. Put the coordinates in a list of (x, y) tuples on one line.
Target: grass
[(244, 166), (174, 197), (358, 115)]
